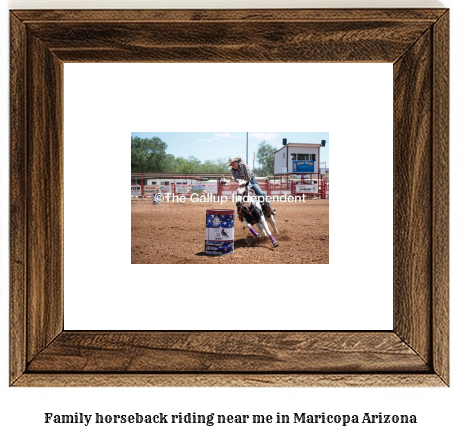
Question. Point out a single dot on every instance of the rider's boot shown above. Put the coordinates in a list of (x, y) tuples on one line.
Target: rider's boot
[(268, 209)]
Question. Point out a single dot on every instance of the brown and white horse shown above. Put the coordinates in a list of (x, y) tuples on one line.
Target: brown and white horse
[(252, 212)]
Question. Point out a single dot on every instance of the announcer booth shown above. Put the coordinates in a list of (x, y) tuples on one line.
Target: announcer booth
[(301, 160)]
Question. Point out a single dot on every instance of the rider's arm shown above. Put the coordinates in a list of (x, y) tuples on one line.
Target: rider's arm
[(246, 170)]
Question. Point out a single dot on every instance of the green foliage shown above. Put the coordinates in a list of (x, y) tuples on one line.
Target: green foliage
[(149, 155), (265, 158)]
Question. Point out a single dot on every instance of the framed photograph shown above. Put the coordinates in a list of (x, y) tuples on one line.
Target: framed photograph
[(189, 175), (414, 353)]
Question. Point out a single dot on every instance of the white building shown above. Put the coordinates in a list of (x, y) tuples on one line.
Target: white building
[(167, 182), (188, 181), (295, 158)]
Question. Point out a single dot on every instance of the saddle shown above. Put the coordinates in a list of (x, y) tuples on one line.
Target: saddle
[(266, 210)]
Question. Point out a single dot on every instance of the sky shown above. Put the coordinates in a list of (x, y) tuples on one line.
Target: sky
[(213, 145)]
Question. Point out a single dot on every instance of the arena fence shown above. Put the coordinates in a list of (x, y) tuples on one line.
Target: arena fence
[(310, 187), (313, 186)]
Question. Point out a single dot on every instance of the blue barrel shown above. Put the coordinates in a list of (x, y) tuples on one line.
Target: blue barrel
[(219, 238)]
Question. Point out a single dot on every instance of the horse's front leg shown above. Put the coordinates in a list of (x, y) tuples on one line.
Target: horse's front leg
[(262, 229), (274, 226), (252, 230)]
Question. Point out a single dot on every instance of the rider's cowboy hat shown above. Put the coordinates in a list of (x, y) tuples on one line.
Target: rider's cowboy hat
[(236, 159)]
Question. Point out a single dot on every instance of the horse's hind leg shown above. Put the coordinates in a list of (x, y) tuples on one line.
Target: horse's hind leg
[(267, 232)]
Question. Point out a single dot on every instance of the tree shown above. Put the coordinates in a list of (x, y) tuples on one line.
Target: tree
[(265, 158), (222, 165), (190, 165), (170, 165), (148, 155), (219, 165)]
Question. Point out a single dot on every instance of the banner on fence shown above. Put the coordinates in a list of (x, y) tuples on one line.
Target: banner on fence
[(307, 189), (211, 189), (181, 189), (135, 189)]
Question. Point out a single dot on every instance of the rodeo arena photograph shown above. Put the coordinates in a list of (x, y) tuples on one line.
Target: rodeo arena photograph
[(245, 198)]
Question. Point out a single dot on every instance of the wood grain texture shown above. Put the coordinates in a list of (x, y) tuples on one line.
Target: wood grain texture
[(230, 380), (205, 15), (236, 352), (18, 211), (440, 192), (414, 354), (254, 41), (44, 196), (230, 36), (413, 196)]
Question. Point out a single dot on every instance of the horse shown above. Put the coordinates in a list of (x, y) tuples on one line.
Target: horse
[(253, 213)]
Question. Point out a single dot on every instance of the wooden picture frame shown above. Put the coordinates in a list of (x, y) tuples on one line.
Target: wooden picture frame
[(414, 353)]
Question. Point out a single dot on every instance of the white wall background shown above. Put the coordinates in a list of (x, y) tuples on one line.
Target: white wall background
[(22, 410), (354, 103)]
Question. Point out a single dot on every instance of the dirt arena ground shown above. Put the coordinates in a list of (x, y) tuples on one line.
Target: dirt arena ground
[(175, 233)]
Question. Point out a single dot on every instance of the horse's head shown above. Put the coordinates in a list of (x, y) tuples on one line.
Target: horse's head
[(242, 191)]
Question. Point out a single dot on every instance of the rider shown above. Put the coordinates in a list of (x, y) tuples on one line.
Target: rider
[(241, 171)]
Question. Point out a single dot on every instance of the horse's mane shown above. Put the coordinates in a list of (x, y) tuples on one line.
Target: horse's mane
[(251, 193)]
